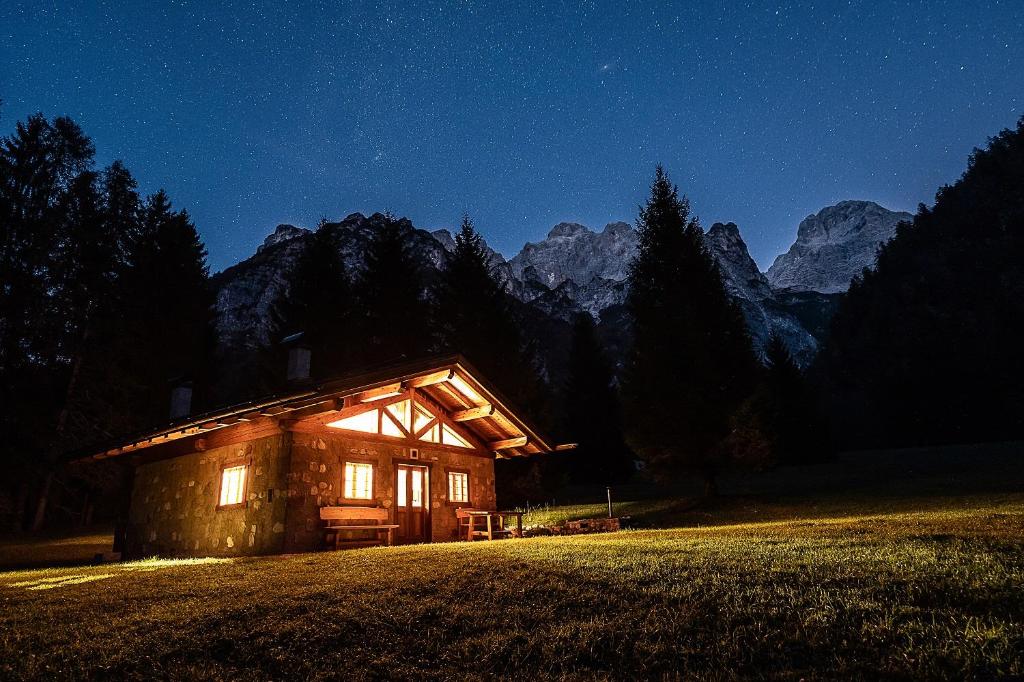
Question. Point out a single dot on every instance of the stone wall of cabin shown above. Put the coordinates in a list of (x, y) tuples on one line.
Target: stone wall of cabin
[(317, 468), (174, 503)]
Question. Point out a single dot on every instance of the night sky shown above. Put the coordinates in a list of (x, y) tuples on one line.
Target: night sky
[(252, 115)]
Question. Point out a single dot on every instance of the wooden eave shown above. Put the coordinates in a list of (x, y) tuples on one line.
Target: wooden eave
[(470, 406)]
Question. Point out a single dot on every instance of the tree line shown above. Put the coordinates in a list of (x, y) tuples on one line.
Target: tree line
[(925, 348), (104, 298), (106, 303)]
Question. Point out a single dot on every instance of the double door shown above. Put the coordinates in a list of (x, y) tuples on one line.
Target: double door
[(412, 502)]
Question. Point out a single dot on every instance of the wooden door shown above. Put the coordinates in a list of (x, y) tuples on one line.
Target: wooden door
[(412, 503)]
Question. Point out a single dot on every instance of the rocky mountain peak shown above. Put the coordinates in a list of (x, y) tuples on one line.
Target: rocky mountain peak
[(283, 233), (835, 245), (562, 230), (726, 233), (741, 274), (445, 239), (576, 269), (617, 229), (572, 252)]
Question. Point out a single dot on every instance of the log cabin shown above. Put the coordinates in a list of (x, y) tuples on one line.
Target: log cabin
[(404, 447)]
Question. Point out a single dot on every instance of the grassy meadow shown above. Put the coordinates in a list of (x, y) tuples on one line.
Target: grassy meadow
[(854, 584)]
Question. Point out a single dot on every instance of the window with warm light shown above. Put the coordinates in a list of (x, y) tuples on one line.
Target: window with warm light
[(404, 419), (458, 486), (367, 422), (451, 438), (232, 485), (358, 481)]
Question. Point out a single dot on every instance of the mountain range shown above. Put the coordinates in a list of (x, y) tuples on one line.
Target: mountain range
[(576, 269)]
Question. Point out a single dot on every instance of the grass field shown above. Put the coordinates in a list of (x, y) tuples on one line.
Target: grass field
[(66, 550), (845, 585)]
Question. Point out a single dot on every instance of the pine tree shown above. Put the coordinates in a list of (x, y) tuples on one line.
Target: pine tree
[(39, 164), (393, 314), (318, 303), (924, 349), (98, 394), (798, 427), (167, 305), (473, 317), (691, 361), (45, 185), (591, 409), (780, 422)]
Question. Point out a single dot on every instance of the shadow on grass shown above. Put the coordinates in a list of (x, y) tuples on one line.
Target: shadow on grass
[(65, 550)]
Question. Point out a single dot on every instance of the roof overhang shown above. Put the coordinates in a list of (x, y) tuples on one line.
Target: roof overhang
[(450, 382)]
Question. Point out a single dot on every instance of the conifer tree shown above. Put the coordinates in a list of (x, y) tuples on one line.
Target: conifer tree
[(318, 304), (691, 361), (591, 409), (44, 183), (100, 303), (167, 305), (924, 348), (473, 317), (797, 425), (393, 315), (780, 422), (98, 396), (39, 163)]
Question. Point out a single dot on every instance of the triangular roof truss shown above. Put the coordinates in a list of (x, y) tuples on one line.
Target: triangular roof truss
[(458, 407)]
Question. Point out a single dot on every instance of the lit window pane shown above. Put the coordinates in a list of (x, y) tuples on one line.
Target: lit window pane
[(417, 488), (365, 422), (232, 485), (458, 486), (358, 481), (389, 428), (401, 488), (402, 412), (452, 438), (432, 435), (423, 417)]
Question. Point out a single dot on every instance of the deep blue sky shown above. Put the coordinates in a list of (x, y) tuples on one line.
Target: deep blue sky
[(256, 114)]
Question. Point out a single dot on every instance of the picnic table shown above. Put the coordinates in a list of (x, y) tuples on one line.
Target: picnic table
[(482, 523)]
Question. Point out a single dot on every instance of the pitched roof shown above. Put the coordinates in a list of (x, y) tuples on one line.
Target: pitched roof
[(449, 381)]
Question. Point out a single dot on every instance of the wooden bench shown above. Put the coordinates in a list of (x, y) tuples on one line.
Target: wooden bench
[(336, 522)]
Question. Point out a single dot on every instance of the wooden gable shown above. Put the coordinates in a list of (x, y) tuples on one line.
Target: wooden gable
[(444, 403)]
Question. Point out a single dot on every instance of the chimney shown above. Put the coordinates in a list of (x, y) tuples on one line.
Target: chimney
[(181, 400), (299, 357)]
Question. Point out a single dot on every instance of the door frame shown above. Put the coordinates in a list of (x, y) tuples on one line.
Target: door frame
[(428, 528)]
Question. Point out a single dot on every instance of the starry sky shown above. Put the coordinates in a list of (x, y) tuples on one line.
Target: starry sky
[(521, 114)]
